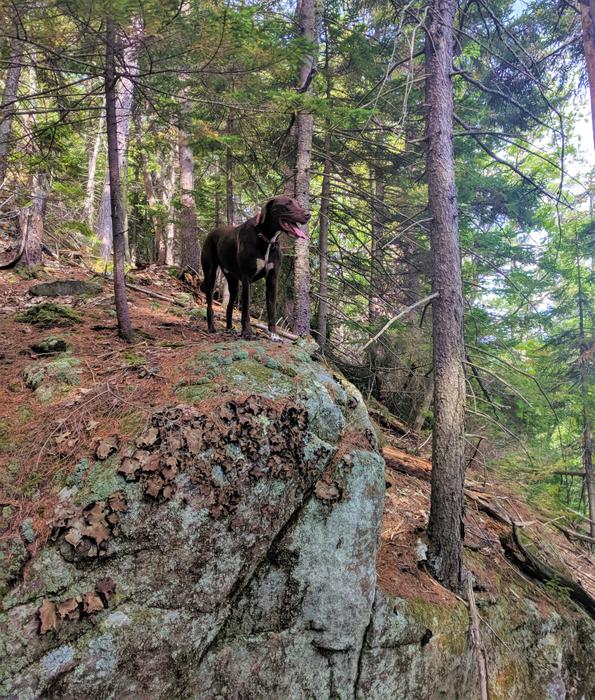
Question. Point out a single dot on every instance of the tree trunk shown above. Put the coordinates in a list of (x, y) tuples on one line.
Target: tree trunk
[(11, 86), (445, 556), (323, 243), (229, 204), (305, 126), (190, 249), (583, 369), (153, 185), (89, 206), (377, 221), (167, 188), (123, 104), (114, 160), (587, 8), (33, 248)]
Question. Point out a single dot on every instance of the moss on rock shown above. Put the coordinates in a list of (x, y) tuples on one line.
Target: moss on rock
[(49, 314), (51, 378)]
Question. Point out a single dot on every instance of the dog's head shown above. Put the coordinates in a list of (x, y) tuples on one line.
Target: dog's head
[(284, 213)]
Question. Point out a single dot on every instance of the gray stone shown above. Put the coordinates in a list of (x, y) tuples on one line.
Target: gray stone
[(243, 559), (64, 288)]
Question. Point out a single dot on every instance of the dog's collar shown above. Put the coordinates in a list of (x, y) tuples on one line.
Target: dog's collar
[(269, 241)]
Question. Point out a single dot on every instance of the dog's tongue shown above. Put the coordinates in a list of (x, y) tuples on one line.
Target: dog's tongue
[(295, 230)]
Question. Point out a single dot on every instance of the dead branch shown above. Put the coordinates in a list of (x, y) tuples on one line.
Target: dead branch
[(389, 323), (476, 640), (543, 572), (389, 421), (574, 535), (154, 295)]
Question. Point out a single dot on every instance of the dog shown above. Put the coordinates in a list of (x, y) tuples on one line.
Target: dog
[(247, 253)]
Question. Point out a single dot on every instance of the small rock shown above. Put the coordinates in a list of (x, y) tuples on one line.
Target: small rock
[(27, 530), (50, 345)]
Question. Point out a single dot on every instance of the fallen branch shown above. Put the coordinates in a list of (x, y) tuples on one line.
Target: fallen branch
[(574, 535), (389, 323), (580, 515), (543, 572), (154, 295), (389, 421), (476, 640)]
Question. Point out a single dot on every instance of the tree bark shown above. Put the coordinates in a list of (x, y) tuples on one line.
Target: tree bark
[(33, 248), (190, 249), (445, 556), (229, 204), (324, 208), (114, 160), (377, 225), (587, 9), (11, 87), (305, 127), (89, 205), (323, 244), (123, 104), (583, 369)]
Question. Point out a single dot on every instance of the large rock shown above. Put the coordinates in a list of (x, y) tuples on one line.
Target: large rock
[(418, 649), (61, 288), (229, 552)]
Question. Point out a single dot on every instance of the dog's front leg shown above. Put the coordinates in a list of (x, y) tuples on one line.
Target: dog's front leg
[(271, 283), (246, 329)]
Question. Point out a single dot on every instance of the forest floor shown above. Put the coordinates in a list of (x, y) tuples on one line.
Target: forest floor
[(109, 386)]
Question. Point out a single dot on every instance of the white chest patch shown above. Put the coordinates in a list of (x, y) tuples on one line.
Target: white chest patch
[(260, 263), (270, 266)]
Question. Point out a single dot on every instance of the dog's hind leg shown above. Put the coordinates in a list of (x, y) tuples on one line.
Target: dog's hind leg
[(209, 287), (271, 293), (246, 329), (232, 285)]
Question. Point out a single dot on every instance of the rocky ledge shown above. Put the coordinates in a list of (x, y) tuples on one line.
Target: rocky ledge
[(229, 550)]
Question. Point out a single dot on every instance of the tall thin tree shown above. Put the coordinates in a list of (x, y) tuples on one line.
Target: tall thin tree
[(11, 86), (129, 69), (113, 157), (305, 127), (587, 10), (445, 555)]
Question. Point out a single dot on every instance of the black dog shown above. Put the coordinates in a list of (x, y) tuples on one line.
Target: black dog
[(247, 253)]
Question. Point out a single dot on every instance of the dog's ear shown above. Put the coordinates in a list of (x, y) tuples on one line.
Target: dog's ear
[(261, 216)]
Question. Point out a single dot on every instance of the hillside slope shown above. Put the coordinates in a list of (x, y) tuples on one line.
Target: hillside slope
[(199, 516)]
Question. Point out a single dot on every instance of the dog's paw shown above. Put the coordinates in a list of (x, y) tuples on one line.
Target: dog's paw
[(247, 335), (275, 338), (212, 329), (229, 331)]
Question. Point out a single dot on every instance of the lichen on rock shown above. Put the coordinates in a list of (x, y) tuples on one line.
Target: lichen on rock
[(237, 534)]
